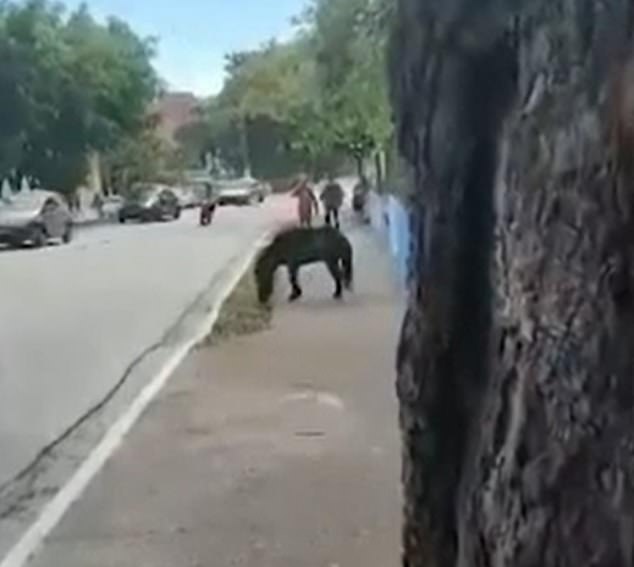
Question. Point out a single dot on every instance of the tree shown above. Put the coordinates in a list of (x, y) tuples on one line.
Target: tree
[(141, 157), (515, 366), (114, 67), (272, 83), (325, 92), (15, 107), (226, 136), (73, 87), (250, 122), (195, 140), (349, 39)]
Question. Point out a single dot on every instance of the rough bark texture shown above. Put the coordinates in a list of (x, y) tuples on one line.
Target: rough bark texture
[(516, 359)]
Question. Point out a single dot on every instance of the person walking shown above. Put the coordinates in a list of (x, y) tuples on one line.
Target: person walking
[(306, 202), (97, 204), (332, 197)]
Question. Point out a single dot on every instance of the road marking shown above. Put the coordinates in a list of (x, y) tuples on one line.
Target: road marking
[(28, 545)]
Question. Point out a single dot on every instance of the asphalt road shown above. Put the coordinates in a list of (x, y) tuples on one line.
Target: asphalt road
[(73, 318), (261, 460)]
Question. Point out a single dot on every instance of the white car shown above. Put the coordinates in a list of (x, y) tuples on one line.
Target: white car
[(186, 197), (244, 191), (111, 206), (35, 217)]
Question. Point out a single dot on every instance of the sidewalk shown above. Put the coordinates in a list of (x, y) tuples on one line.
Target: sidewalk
[(275, 450), (87, 217)]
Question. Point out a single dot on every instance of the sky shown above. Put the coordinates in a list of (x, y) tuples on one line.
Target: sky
[(194, 35)]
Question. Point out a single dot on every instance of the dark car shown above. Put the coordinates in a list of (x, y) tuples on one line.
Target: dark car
[(35, 217), (148, 202)]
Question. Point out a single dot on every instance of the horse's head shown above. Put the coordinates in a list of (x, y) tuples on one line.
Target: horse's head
[(264, 272)]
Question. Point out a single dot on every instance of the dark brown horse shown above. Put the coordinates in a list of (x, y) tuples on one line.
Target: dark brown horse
[(296, 247)]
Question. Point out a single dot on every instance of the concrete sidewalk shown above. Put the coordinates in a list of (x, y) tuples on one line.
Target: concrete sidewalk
[(86, 217), (275, 450)]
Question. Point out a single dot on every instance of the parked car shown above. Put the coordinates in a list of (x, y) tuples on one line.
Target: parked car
[(35, 217), (150, 202), (244, 191), (266, 189), (186, 197), (203, 192)]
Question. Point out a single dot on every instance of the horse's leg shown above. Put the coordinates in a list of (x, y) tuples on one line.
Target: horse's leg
[(335, 272), (293, 276)]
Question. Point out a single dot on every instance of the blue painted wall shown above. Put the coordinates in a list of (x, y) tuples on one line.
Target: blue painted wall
[(390, 219)]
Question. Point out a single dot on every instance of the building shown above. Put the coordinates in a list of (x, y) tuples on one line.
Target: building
[(175, 110)]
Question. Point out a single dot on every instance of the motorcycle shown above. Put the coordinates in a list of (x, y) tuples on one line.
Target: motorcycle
[(207, 211), (360, 201), (359, 198)]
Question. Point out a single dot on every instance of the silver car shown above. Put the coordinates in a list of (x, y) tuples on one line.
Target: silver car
[(244, 191), (187, 197), (111, 206), (35, 217)]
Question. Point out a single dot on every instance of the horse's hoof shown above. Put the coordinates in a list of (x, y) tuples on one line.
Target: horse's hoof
[(294, 297), (338, 296)]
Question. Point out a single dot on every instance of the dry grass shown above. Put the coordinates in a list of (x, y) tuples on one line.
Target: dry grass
[(241, 314)]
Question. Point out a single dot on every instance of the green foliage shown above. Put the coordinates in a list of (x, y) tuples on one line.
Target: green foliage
[(194, 141), (68, 86), (324, 93), (273, 82), (269, 152), (225, 134), (139, 157), (349, 38)]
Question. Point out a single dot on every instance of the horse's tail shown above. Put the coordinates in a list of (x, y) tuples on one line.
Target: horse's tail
[(347, 260)]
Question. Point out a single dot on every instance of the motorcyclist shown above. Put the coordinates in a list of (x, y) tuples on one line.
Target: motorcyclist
[(208, 206), (360, 194)]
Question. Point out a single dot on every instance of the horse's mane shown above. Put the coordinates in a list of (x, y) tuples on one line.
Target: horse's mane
[(267, 249)]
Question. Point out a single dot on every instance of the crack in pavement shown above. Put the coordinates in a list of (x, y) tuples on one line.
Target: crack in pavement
[(18, 491)]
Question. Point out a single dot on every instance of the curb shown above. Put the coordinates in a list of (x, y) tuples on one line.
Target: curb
[(53, 512), (93, 222)]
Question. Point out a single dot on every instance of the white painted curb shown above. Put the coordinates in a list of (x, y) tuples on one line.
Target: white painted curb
[(54, 511)]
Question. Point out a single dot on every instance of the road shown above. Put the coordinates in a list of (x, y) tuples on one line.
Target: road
[(291, 461), (75, 317)]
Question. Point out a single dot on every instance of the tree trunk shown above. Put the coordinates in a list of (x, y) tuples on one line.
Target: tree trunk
[(515, 363), (378, 166), (358, 159), (244, 141)]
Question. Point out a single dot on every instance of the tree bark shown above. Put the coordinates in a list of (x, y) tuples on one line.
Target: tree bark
[(244, 142), (378, 169), (515, 366), (358, 160)]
